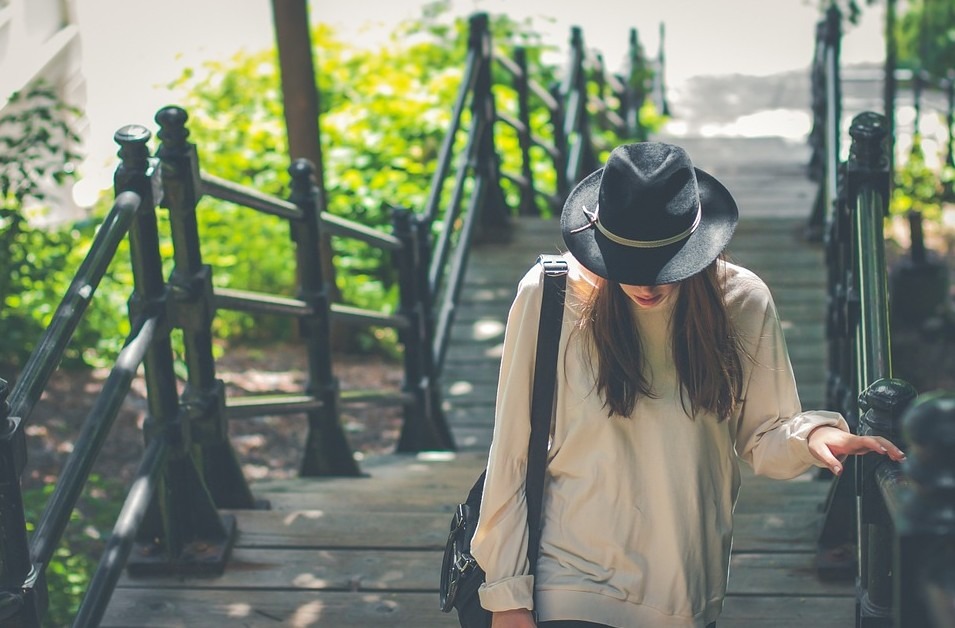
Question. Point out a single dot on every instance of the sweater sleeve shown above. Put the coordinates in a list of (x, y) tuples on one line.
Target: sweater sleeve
[(500, 540), (771, 429)]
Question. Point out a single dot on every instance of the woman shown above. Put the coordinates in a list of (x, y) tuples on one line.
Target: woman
[(672, 365)]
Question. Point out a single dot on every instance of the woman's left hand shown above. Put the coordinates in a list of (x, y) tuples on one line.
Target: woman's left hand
[(831, 446)]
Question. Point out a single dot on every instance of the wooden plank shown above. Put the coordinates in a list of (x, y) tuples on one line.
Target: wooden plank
[(323, 529), (780, 574), (787, 612), (363, 551), (185, 608), (314, 570), (766, 532), (767, 574)]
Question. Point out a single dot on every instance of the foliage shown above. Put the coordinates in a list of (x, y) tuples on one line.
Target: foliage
[(69, 572), (36, 140), (851, 10), (385, 114), (40, 263), (925, 34), (917, 186)]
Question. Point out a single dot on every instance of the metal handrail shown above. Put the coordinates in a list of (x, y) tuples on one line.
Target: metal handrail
[(90, 441), (442, 333), (245, 196), (22, 572), (472, 64), (52, 344), (515, 71), (894, 513), (251, 198), (121, 541), (442, 246)]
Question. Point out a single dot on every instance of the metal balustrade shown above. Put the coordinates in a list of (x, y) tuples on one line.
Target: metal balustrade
[(898, 518)]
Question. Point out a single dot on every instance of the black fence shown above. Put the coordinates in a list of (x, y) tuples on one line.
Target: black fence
[(888, 526)]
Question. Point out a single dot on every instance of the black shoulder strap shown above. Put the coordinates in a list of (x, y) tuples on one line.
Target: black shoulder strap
[(542, 401)]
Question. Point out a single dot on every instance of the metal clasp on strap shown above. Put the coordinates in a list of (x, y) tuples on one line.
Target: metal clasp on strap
[(553, 265)]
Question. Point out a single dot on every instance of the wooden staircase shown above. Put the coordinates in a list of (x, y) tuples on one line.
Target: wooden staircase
[(366, 552)]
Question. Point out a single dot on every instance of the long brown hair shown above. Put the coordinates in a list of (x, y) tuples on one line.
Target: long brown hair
[(706, 349)]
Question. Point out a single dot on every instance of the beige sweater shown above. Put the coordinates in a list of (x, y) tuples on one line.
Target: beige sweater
[(638, 512)]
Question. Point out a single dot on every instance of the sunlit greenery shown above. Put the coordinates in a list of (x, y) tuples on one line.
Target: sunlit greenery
[(926, 37), (74, 561)]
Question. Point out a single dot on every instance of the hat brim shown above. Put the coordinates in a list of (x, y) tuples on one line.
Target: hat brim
[(649, 266)]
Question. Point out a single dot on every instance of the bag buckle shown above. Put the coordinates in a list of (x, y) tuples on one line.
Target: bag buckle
[(464, 563), (553, 265)]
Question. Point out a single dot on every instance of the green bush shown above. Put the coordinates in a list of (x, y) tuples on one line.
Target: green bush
[(917, 187), (385, 114), (74, 561)]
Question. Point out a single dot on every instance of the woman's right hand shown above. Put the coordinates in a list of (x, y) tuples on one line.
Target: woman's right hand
[(516, 618)]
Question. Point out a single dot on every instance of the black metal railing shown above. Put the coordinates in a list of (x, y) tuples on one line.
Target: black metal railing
[(827, 118), (189, 469), (591, 95), (571, 107), (23, 560), (889, 526), (327, 451)]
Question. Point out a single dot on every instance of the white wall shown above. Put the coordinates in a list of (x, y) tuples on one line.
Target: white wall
[(39, 39)]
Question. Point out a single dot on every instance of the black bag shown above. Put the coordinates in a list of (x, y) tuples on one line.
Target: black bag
[(460, 574)]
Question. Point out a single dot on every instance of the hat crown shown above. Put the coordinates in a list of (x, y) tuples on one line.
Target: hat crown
[(648, 191)]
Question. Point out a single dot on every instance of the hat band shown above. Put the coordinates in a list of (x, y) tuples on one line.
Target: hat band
[(636, 244)]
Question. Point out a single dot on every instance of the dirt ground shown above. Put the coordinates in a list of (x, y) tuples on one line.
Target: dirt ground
[(266, 446)]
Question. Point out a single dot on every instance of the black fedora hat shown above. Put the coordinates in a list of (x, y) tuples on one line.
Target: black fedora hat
[(648, 217)]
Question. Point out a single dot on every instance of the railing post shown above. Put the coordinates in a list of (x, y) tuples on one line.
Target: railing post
[(327, 451), (660, 74), (833, 116), (636, 87), (867, 182), (925, 536), (882, 403), (183, 532), (528, 202), (950, 119), (192, 309), (495, 214), (424, 426), (858, 350), (867, 198), (561, 147), (918, 86), (817, 135), (598, 74), (581, 159), (889, 84), (22, 586)]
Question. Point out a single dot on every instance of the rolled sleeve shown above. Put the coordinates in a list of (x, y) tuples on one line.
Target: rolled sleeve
[(508, 594), (500, 541), (772, 428)]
